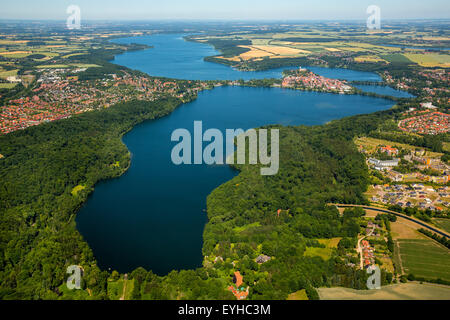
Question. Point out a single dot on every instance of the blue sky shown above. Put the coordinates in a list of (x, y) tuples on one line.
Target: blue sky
[(225, 9)]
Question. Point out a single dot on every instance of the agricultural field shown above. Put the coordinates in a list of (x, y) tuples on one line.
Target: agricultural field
[(446, 146), (424, 258), (402, 291), (430, 60), (396, 58), (370, 58), (15, 54), (406, 229), (363, 48)]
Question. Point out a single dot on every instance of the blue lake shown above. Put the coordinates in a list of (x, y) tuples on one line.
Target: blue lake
[(154, 215), (385, 90), (173, 57)]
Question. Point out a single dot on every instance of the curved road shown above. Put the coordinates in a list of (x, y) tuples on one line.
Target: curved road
[(423, 224)]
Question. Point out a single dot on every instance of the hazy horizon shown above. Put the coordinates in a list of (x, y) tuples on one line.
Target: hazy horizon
[(232, 10)]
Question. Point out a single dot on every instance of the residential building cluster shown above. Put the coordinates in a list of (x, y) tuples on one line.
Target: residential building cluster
[(438, 74), (421, 164), (368, 255), (400, 84), (58, 96), (415, 195), (428, 123), (303, 79)]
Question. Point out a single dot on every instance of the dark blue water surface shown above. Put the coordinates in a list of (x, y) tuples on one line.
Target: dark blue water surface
[(173, 57), (345, 74), (153, 216), (385, 90)]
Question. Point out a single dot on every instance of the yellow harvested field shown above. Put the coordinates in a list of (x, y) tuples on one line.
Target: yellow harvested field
[(402, 291), (281, 50), (430, 60), (333, 49), (13, 41), (5, 53), (260, 51), (254, 53), (436, 38)]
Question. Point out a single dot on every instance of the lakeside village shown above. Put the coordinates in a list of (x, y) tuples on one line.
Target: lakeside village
[(306, 80), (59, 94)]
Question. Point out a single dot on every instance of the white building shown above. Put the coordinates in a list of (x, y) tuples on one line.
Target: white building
[(384, 164), (428, 105)]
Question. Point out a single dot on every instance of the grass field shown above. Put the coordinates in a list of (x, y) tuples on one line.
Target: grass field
[(115, 289), (77, 189), (299, 295), (369, 58), (446, 146), (424, 258), (7, 85), (371, 143), (396, 58), (443, 224), (330, 243), (9, 73), (430, 59), (15, 54), (402, 291), (247, 226), (324, 253), (405, 229)]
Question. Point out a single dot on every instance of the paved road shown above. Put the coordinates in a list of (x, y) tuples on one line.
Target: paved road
[(421, 223)]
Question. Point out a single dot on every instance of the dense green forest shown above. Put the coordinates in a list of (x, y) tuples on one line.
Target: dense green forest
[(40, 168)]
